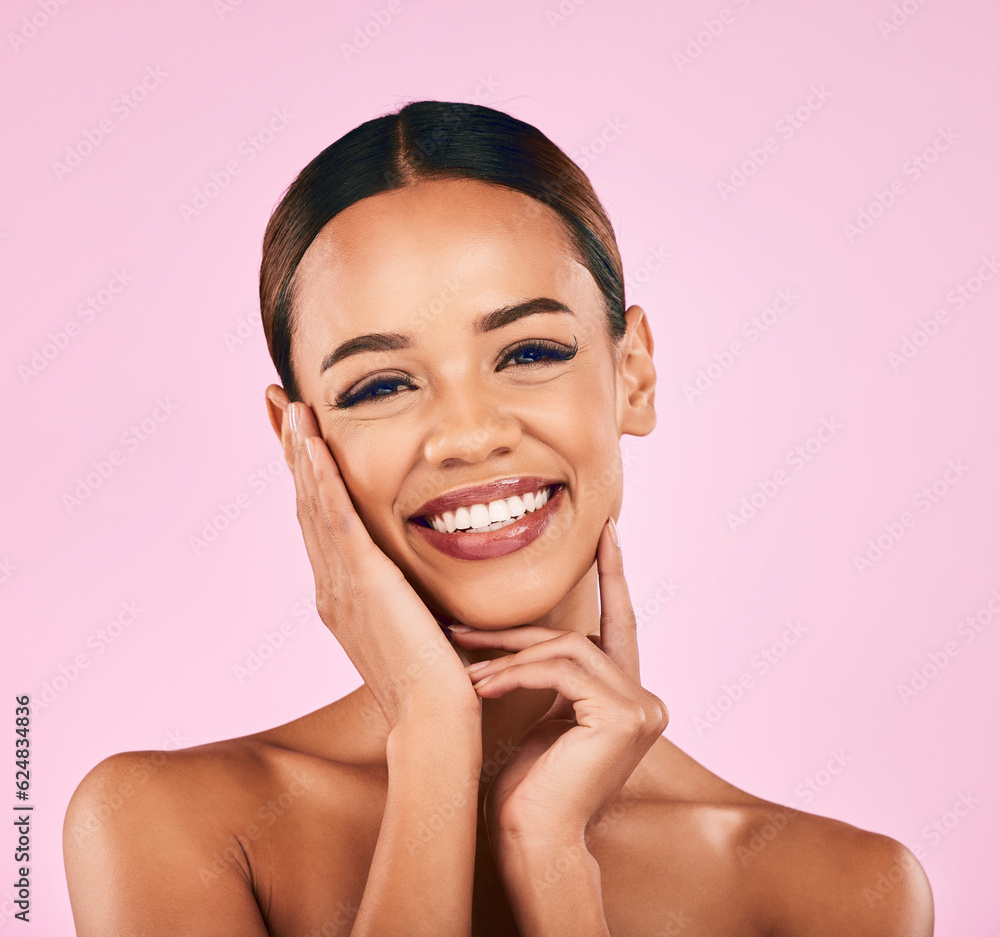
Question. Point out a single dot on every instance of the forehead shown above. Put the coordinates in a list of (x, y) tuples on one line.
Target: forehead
[(457, 243)]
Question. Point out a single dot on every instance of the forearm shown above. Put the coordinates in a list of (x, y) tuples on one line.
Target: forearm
[(420, 879), (554, 887)]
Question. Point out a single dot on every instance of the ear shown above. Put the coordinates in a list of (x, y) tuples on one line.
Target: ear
[(636, 375), (277, 410)]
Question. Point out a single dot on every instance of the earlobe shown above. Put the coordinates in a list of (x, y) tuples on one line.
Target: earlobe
[(636, 414), (277, 408)]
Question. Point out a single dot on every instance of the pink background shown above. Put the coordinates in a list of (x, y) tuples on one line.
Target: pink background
[(908, 111)]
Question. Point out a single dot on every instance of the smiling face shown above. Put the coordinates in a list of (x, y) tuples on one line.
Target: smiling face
[(469, 384)]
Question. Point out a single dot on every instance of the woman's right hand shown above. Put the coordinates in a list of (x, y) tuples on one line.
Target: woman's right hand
[(389, 634)]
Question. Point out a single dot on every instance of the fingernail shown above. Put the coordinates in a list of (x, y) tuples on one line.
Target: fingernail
[(293, 417), (310, 449), (476, 686), (461, 629), (614, 532), (477, 666)]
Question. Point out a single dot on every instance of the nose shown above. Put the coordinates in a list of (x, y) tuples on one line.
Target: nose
[(470, 427)]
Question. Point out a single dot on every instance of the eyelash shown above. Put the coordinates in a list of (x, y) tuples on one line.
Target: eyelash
[(555, 352)]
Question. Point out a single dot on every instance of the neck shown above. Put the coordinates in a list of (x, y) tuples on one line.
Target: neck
[(505, 720)]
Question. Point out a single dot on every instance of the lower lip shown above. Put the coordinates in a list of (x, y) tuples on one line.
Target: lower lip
[(493, 543)]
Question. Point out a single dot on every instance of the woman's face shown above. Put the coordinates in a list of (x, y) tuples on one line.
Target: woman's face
[(465, 400)]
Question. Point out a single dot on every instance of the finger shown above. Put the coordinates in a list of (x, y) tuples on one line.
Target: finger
[(594, 704), (568, 645), (618, 628)]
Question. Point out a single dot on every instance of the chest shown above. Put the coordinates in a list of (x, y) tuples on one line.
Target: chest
[(660, 874)]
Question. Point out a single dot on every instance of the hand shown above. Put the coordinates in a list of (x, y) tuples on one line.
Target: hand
[(571, 763), (389, 634)]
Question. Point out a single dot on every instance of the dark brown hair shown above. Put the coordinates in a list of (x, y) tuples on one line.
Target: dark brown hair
[(430, 140)]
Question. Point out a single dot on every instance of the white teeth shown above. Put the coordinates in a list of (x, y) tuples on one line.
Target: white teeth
[(478, 518), (479, 515)]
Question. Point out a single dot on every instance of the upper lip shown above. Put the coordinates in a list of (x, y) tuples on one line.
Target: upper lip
[(496, 490)]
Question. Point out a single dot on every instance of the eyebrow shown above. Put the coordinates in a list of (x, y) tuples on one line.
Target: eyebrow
[(488, 322)]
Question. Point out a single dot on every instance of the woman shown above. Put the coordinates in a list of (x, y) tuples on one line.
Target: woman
[(443, 301)]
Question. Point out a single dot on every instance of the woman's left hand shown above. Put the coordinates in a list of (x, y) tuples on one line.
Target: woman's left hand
[(572, 763)]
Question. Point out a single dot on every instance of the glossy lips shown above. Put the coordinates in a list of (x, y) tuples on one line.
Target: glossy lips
[(491, 543)]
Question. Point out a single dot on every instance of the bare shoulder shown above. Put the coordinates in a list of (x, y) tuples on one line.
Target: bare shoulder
[(196, 825), (820, 877), (780, 870)]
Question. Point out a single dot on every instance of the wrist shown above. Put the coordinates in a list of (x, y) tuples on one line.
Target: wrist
[(554, 885)]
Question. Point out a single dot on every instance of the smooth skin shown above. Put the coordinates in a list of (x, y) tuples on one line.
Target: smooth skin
[(534, 794)]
